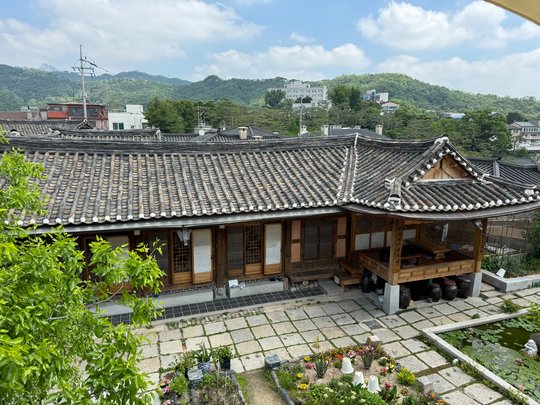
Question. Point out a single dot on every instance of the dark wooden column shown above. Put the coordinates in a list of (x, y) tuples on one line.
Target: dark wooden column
[(395, 251), (221, 276)]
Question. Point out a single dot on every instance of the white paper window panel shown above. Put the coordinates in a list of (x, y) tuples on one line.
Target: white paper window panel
[(119, 241), (409, 234), (361, 241), (202, 250), (377, 239), (272, 245)]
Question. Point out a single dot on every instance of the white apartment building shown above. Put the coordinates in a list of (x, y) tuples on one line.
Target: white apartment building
[(372, 95), (131, 118), (298, 90)]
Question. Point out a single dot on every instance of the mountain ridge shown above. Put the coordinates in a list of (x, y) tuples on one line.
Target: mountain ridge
[(25, 86)]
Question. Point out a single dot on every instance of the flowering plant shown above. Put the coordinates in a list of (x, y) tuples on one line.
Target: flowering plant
[(321, 365), (367, 353)]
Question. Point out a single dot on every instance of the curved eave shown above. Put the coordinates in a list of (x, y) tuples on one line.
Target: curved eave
[(208, 220), (448, 216)]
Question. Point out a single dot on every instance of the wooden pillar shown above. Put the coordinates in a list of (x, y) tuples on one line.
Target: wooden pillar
[(221, 277), (479, 242), (352, 232), (396, 245)]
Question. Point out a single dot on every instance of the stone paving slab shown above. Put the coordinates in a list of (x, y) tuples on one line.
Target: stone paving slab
[(192, 331), (432, 358), (221, 339), (270, 343), (290, 339), (173, 334), (361, 315), (343, 319), (299, 351), (285, 327), (296, 314), (406, 331), (214, 327), (343, 341), (277, 316), (411, 316), (481, 393), (413, 363), (353, 329), (392, 321), (386, 335), (312, 335), (236, 323), (263, 331), (349, 305), (256, 320), (249, 347), (303, 325), (458, 398), (170, 346), (253, 362), (168, 361), (456, 376), (396, 350), (150, 350), (314, 311), (331, 333), (435, 383), (332, 309), (196, 342), (414, 345), (241, 335), (324, 322)]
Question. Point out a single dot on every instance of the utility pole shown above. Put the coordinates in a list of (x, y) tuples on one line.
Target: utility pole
[(82, 68)]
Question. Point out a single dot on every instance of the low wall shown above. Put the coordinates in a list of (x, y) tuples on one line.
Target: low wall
[(509, 284)]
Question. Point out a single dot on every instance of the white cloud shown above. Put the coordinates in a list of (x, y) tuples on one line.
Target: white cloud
[(306, 62), (514, 75), (121, 32), (301, 39), (251, 2), (408, 27)]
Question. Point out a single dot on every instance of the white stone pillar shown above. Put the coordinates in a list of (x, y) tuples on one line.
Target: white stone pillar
[(476, 283), (391, 298)]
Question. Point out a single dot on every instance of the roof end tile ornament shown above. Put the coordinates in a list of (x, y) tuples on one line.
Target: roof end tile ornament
[(393, 202)]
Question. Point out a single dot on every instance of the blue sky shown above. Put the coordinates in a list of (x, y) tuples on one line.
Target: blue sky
[(469, 45)]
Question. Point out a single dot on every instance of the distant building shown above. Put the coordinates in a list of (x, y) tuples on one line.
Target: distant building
[(526, 134), (303, 93), (389, 107), (454, 116), (131, 118), (98, 114), (372, 95)]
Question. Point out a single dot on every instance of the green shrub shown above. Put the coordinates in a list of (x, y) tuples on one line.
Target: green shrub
[(509, 307), (406, 377), (179, 384)]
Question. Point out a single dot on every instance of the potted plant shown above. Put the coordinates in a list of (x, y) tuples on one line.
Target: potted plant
[(223, 356), (184, 362), (203, 356)]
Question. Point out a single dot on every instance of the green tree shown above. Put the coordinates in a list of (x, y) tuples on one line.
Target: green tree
[(514, 116), (274, 98), (485, 134), (55, 347), (162, 114)]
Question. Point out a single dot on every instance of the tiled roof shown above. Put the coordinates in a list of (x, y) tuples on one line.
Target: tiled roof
[(143, 135), (524, 173), (113, 182), (38, 127)]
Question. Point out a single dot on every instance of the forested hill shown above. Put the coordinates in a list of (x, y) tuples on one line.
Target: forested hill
[(22, 86)]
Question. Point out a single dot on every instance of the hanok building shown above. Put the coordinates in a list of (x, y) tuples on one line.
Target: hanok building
[(291, 208)]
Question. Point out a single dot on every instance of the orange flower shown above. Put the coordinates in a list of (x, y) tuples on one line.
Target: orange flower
[(339, 356)]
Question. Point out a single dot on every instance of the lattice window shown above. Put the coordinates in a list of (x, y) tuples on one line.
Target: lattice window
[(181, 255), (253, 244)]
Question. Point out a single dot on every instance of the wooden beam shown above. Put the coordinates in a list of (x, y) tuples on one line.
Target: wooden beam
[(479, 242), (396, 245)]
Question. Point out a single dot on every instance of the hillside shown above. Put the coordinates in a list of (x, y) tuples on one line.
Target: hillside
[(21, 86)]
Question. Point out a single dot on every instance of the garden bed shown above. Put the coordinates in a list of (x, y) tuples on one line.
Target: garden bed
[(510, 284), (383, 381)]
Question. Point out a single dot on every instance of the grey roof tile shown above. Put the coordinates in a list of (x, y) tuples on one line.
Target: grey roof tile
[(107, 182)]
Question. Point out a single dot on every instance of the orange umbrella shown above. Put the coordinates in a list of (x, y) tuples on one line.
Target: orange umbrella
[(529, 9)]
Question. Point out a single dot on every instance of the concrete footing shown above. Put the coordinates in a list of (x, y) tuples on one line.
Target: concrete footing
[(256, 287), (391, 298)]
